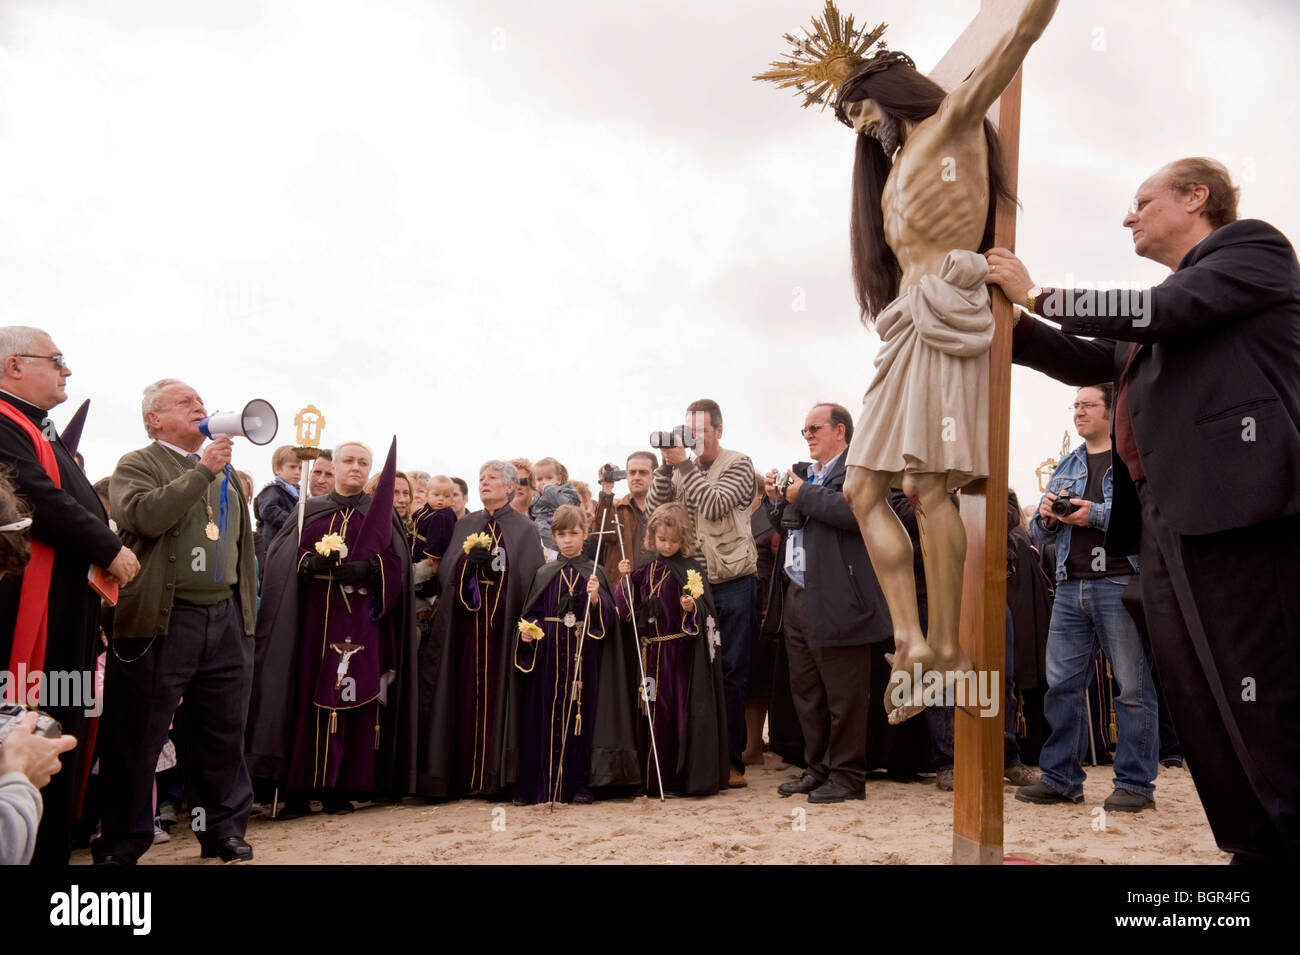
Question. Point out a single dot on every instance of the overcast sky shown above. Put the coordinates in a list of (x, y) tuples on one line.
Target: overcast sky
[(502, 228)]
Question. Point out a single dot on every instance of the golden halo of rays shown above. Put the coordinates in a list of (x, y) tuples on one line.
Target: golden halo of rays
[(824, 58)]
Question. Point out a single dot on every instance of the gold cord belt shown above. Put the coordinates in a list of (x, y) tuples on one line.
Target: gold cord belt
[(667, 636)]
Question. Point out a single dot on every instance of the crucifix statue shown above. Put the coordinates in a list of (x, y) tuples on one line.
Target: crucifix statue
[(933, 187), (927, 183)]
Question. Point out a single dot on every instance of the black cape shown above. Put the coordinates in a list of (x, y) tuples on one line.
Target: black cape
[(70, 519), (613, 745), (438, 659), (270, 712)]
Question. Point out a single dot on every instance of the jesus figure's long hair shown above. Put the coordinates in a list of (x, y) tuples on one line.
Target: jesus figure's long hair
[(904, 93)]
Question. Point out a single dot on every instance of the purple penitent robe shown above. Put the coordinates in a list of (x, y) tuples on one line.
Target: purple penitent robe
[(555, 762), (669, 645), (347, 655)]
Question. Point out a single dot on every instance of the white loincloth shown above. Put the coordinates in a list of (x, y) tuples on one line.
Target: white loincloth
[(926, 410)]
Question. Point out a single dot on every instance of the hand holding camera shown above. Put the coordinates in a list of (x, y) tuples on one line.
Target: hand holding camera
[(673, 443), (789, 489), (31, 743), (608, 475), (1068, 510)]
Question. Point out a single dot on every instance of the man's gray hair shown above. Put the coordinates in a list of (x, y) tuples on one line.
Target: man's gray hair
[(17, 340), (152, 398), (509, 473)]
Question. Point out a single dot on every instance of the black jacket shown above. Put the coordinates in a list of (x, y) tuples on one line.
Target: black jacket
[(845, 605), (272, 507), (1214, 390)]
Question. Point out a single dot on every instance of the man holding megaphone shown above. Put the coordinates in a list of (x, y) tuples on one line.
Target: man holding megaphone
[(184, 626)]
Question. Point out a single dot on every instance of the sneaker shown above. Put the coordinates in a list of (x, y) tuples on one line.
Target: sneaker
[(1172, 762), (1122, 800), (1019, 775), (160, 835), (1043, 794), (167, 815), (943, 780)]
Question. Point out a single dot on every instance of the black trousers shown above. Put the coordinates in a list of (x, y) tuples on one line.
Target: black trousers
[(205, 658), (1223, 611), (830, 690)]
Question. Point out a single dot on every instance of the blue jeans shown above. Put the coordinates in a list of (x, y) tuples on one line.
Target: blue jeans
[(734, 602), (1087, 613)]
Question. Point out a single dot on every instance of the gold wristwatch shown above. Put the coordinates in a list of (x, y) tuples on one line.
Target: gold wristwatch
[(1031, 298)]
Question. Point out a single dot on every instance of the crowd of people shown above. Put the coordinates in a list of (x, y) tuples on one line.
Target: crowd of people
[(352, 633)]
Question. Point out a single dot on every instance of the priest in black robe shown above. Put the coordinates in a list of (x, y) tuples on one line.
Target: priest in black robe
[(56, 633), (334, 691), (469, 695)]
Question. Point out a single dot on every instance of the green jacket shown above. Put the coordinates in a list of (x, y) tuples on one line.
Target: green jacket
[(148, 500)]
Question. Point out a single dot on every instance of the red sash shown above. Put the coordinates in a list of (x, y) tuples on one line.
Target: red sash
[(34, 598)]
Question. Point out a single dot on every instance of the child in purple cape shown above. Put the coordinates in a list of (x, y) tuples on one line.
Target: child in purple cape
[(560, 717), (681, 660)]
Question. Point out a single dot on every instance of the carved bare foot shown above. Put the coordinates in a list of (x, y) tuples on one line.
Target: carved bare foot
[(903, 692), (902, 713), (954, 666)]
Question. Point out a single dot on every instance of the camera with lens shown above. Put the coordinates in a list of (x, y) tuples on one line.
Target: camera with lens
[(609, 474), (790, 516), (679, 437), (1062, 507), (11, 714)]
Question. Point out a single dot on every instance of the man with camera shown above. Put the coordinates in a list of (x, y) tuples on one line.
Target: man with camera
[(717, 487), (1075, 513), (630, 511), (184, 627), (832, 610)]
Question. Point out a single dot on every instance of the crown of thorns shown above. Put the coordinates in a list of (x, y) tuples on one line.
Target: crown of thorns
[(825, 57)]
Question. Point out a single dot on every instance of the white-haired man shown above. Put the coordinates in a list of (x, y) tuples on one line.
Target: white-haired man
[(183, 627), (469, 710), (48, 613)]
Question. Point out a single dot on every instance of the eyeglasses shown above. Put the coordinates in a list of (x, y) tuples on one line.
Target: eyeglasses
[(59, 363), (812, 429), (1085, 405)]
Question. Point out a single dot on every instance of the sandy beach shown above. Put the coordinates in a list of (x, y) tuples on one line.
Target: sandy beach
[(898, 823)]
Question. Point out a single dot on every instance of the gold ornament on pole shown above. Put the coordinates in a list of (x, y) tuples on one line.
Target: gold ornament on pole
[(308, 424), (1044, 471)]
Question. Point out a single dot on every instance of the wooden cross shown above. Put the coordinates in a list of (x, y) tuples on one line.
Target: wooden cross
[(977, 750)]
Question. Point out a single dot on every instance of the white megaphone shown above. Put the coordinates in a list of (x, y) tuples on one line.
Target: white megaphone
[(257, 422)]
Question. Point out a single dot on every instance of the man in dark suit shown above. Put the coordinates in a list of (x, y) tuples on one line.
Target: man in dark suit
[(832, 609), (48, 613), (1206, 432)]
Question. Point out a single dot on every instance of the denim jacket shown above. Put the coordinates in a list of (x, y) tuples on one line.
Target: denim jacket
[(1070, 479)]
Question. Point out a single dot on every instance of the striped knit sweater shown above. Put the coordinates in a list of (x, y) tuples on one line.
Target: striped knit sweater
[(718, 498)]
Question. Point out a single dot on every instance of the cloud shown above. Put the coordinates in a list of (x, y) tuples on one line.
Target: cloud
[(511, 228)]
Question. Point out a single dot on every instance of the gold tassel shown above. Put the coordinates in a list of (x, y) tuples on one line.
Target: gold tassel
[(1022, 728), (376, 731), (334, 722), (577, 699)]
